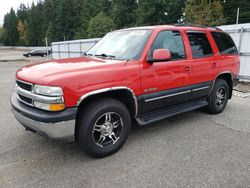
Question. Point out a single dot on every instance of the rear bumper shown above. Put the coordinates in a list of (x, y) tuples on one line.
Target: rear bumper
[(59, 126)]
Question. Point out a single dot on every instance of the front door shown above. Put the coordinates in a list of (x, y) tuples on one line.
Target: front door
[(163, 83)]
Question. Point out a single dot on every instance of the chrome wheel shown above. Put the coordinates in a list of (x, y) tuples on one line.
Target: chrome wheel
[(220, 97), (107, 129)]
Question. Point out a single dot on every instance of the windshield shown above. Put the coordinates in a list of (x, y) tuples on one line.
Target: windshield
[(125, 44)]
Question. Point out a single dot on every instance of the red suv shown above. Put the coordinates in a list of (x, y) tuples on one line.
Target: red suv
[(144, 74)]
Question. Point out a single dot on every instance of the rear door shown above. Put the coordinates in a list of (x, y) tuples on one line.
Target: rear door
[(204, 67)]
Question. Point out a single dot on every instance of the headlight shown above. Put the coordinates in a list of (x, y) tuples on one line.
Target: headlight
[(48, 90), (50, 99)]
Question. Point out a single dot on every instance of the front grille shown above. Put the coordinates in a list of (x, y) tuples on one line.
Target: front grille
[(24, 85), (25, 99)]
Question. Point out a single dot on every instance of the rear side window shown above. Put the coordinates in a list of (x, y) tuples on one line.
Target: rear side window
[(224, 43), (199, 44), (171, 40)]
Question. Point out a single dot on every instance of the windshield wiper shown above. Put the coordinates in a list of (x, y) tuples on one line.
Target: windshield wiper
[(105, 55), (86, 54)]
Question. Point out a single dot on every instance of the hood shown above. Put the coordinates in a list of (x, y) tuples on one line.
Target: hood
[(46, 73)]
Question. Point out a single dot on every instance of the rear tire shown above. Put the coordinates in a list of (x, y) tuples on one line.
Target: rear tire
[(103, 127), (219, 97)]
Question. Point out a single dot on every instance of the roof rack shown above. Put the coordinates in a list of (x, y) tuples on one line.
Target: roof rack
[(195, 25)]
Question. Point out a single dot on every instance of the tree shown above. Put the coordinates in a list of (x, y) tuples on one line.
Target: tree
[(88, 10), (1, 34), (154, 12), (204, 12), (10, 36), (36, 30), (100, 25), (22, 16), (22, 33), (123, 12), (53, 28), (22, 12), (230, 11)]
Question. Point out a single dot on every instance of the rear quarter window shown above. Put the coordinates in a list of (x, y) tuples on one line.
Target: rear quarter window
[(224, 43)]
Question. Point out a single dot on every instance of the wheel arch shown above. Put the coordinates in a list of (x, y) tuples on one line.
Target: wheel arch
[(228, 77), (121, 93)]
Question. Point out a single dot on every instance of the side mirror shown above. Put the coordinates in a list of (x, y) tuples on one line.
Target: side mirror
[(160, 55)]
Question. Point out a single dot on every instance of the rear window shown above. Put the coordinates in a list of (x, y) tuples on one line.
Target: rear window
[(199, 44), (225, 43)]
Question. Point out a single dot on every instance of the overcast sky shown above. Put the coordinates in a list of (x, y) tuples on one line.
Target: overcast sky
[(5, 6)]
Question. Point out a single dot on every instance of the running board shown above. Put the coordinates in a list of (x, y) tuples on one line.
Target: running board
[(155, 116)]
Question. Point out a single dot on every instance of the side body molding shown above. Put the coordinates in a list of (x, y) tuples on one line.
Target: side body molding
[(95, 92)]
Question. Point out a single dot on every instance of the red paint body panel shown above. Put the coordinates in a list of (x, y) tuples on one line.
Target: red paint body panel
[(78, 76)]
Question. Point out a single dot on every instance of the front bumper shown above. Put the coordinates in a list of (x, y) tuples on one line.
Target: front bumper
[(59, 126)]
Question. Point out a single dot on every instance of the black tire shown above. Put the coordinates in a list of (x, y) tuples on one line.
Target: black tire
[(217, 100), (94, 117)]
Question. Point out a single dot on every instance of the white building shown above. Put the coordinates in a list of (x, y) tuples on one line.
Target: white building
[(74, 48)]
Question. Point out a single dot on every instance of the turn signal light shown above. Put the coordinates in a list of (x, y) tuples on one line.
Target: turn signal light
[(56, 107)]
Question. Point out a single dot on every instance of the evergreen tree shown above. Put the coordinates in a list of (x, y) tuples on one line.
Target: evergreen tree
[(88, 10), (10, 36), (204, 12), (123, 12), (54, 24), (100, 25), (22, 16), (22, 12), (36, 31), (230, 11), (154, 12)]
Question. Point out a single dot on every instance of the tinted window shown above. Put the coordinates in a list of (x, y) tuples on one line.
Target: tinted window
[(224, 43), (172, 41), (200, 45)]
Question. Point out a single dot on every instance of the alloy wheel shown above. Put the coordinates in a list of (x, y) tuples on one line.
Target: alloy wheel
[(107, 129)]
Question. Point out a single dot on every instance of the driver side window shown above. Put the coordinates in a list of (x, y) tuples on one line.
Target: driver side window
[(172, 41)]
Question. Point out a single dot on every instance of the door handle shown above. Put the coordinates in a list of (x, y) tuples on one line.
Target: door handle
[(186, 69), (214, 65)]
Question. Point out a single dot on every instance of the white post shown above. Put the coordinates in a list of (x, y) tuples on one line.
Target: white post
[(237, 22), (238, 14), (46, 41)]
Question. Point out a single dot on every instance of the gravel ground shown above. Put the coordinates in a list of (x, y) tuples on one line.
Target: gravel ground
[(190, 150)]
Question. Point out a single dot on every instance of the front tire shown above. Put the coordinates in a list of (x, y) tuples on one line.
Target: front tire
[(103, 127), (219, 97)]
